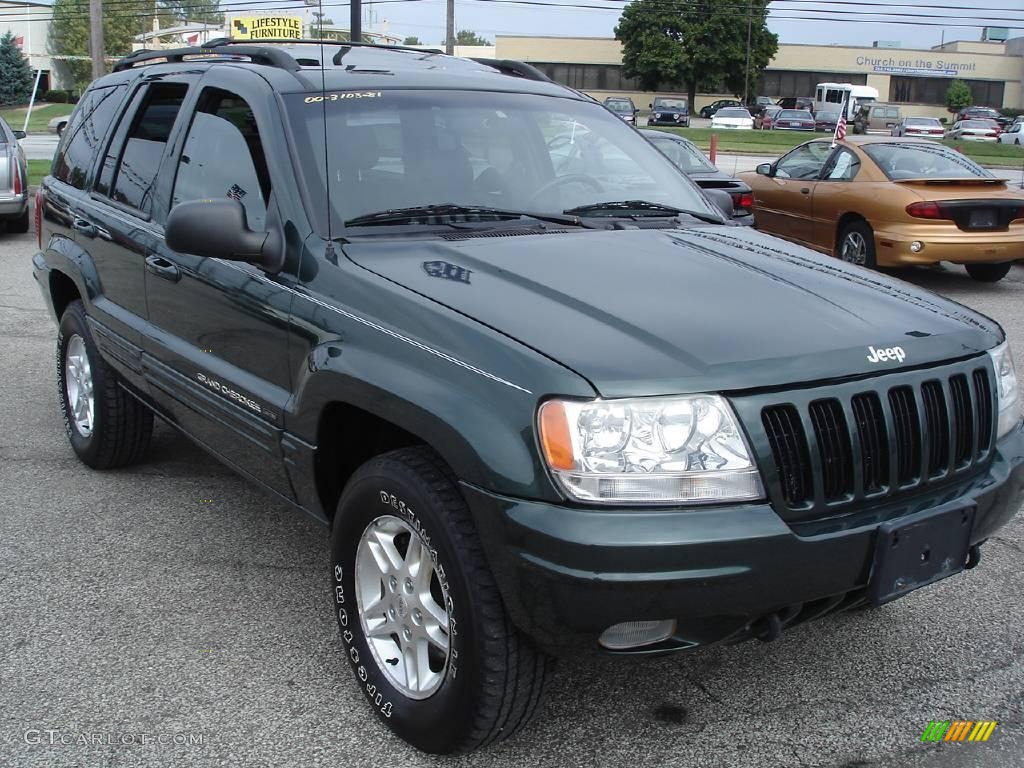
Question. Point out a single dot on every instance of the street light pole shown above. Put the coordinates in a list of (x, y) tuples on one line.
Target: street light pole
[(746, 80), (449, 43), (96, 38), (355, 22)]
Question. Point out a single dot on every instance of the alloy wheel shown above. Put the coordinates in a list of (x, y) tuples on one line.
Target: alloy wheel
[(401, 601), (854, 249), (78, 386)]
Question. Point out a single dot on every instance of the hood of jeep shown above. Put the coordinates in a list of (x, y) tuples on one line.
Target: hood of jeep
[(650, 312)]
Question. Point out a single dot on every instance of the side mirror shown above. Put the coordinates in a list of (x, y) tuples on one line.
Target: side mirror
[(220, 229), (19, 135), (650, 105), (722, 201), (764, 169)]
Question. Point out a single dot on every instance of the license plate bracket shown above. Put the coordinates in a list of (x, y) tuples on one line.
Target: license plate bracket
[(919, 550), (982, 218)]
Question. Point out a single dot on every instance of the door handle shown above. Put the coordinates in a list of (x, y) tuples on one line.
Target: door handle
[(84, 226), (805, 190), (161, 267)]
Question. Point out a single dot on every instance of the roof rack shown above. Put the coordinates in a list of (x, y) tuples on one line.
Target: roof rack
[(515, 68), (259, 52)]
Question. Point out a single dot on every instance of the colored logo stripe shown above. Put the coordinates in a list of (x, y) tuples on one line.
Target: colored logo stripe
[(958, 730)]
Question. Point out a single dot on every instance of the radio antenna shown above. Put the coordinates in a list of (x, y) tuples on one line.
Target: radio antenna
[(323, 106)]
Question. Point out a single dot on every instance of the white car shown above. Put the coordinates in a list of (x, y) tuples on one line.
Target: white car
[(919, 126), (1013, 135), (974, 130), (732, 117), (58, 124)]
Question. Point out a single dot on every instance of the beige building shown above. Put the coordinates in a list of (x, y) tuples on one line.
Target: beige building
[(916, 78)]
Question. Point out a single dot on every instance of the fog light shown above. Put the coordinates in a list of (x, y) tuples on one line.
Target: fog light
[(917, 246), (636, 634)]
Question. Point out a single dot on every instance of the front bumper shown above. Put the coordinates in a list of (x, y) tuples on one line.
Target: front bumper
[(566, 574), (892, 246), (683, 122)]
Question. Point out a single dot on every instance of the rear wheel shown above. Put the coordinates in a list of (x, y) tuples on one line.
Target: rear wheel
[(988, 273), (107, 427), (857, 244), (421, 619), (18, 226)]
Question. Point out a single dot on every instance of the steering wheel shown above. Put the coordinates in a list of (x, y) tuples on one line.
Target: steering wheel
[(572, 178)]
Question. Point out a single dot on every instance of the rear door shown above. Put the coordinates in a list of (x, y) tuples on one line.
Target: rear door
[(218, 349)]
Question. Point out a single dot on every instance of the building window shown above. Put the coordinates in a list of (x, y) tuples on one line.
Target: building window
[(595, 77), (932, 90), (783, 82)]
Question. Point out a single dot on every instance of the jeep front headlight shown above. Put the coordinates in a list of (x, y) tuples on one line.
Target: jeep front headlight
[(683, 449), (1007, 389)]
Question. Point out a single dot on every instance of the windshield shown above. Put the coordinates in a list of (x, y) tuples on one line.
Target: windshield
[(670, 104), (619, 106), (537, 154), (924, 160), (684, 155)]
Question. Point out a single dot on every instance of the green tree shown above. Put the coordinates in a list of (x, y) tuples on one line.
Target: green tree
[(412, 40), (704, 45), (15, 73), (193, 11), (316, 27), (469, 37), (958, 96)]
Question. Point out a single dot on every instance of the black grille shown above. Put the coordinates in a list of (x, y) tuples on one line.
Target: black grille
[(876, 441), (789, 446), (833, 440), (907, 430)]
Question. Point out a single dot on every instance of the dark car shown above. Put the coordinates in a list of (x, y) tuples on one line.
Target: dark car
[(826, 121), (796, 102), (793, 120), (985, 113), (669, 110), (757, 106), (545, 400), (714, 106), (13, 180), (688, 158), (624, 108)]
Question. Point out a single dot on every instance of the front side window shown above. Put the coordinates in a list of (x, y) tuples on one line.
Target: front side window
[(83, 137), (223, 157), (136, 173), (395, 149), (804, 162)]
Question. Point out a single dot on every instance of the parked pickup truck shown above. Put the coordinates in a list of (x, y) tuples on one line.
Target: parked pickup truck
[(546, 399)]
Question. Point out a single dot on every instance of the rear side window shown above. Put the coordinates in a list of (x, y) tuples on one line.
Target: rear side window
[(134, 175), (83, 138), (223, 157)]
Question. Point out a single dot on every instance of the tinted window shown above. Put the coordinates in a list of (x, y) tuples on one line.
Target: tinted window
[(136, 173), (223, 157), (84, 135), (804, 162), (924, 160)]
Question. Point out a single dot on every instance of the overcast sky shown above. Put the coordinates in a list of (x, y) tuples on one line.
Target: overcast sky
[(845, 23)]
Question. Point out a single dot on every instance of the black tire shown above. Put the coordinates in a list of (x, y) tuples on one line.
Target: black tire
[(121, 425), (862, 230), (18, 226), (494, 678), (988, 273), (60, 129)]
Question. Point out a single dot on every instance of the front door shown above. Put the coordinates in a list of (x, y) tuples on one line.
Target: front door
[(219, 343), (783, 202)]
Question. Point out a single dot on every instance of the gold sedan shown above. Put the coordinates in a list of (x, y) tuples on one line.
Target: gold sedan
[(885, 201)]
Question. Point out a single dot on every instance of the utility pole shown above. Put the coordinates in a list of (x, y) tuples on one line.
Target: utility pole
[(746, 80), (449, 38), (355, 22), (96, 48)]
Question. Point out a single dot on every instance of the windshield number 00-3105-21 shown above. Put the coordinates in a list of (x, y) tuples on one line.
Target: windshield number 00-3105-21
[(340, 96)]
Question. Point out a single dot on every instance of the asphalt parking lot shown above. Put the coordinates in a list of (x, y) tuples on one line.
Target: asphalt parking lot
[(173, 601)]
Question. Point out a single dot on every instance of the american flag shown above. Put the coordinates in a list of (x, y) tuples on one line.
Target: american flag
[(840, 133)]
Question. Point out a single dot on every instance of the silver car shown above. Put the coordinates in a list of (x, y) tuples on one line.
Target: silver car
[(13, 180), (58, 124)]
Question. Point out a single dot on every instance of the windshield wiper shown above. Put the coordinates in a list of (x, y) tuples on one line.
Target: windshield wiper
[(638, 208), (451, 210)]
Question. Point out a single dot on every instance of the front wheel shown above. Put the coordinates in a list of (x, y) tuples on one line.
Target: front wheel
[(857, 244), (988, 273), (422, 623)]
